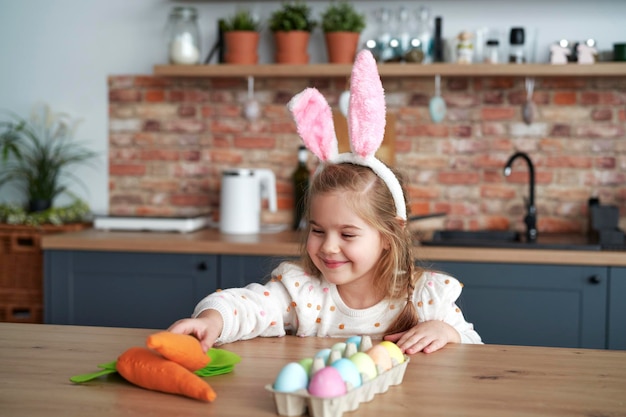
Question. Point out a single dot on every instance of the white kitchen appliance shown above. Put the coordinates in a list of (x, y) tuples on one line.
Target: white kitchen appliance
[(243, 191)]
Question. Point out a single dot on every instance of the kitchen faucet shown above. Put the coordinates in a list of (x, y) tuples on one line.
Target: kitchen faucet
[(531, 210)]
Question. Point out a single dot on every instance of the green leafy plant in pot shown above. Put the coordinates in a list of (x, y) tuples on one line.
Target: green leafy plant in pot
[(241, 37), (292, 25), (342, 25), (36, 155)]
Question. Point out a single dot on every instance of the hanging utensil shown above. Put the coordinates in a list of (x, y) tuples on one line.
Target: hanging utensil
[(437, 105), (528, 108), (344, 99), (251, 108)]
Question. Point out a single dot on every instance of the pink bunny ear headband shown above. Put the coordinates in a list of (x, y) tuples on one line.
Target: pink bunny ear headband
[(366, 124)]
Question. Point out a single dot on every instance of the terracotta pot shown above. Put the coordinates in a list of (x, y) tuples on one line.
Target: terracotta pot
[(341, 46), (292, 47), (241, 47)]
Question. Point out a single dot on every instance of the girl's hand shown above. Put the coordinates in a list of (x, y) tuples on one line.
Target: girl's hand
[(207, 327), (427, 337)]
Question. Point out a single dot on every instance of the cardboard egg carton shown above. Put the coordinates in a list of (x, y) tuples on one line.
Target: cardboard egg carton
[(297, 403)]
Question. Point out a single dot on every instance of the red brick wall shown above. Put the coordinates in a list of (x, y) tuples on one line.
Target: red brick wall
[(169, 139)]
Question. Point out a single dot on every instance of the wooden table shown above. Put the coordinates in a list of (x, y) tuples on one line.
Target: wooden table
[(36, 362)]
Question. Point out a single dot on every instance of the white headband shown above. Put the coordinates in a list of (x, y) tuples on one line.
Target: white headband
[(366, 125)]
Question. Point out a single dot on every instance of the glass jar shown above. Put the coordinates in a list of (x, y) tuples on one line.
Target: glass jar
[(184, 36), (492, 51)]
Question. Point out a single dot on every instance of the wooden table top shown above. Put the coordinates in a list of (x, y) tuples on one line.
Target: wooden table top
[(286, 243), (36, 362)]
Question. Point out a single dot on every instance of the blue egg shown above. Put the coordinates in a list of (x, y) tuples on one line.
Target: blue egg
[(354, 339), (348, 371), (292, 377), (324, 354)]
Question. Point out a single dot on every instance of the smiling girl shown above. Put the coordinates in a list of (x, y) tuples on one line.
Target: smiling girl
[(357, 274)]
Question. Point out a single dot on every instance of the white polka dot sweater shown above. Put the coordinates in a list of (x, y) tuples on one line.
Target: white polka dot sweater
[(296, 303)]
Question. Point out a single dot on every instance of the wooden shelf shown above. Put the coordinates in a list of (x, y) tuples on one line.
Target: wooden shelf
[(604, 69)]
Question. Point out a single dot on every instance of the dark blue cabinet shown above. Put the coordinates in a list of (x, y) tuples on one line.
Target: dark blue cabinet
[(241, 270), (150, 290), (617, 309), (537, 305), (521, 304)]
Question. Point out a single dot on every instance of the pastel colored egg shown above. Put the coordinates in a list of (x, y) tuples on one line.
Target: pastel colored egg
[(340, 347), (349, 372), (365, 364), (306, 364), (324, 354), (394, 351), (292, 377), (354, 339), (381, 357), (327, 383)]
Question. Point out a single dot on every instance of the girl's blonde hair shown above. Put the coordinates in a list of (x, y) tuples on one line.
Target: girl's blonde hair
[(371, 200)]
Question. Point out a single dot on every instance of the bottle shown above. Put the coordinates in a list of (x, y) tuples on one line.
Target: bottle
[(300, 179), (516, 42), (438, 40), (184, 36)]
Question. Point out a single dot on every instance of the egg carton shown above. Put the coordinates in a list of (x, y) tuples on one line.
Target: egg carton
[(297, 403)]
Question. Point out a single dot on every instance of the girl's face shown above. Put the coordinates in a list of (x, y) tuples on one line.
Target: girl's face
[(340, 243)]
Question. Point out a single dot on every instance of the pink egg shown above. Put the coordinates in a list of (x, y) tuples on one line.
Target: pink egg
[(380, 356), (327, 383)]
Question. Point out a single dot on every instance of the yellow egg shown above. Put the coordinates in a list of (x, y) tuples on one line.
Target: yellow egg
[(394, 351)]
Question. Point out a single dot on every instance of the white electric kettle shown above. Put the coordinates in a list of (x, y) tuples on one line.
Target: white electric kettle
[(242, 193)]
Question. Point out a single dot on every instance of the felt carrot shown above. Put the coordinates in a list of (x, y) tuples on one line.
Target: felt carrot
[(183, 349), (150, 370)]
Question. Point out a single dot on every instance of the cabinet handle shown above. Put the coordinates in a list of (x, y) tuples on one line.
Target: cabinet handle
[(594, 279), (202, 266)]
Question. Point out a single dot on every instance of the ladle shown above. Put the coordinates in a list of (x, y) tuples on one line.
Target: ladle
[(528, 108), (437, 105), (251, 109)]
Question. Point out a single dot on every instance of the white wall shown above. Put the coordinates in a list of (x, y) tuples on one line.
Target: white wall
[(61, 51)]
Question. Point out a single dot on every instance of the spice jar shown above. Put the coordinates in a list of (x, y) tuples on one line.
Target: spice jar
[(492, 51), (184, 36)]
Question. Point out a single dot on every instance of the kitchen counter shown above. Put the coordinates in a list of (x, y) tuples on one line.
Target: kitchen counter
[(36, 362), (211, 241)]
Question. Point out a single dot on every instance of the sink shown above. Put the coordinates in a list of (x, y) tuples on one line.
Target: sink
[(508, 239)]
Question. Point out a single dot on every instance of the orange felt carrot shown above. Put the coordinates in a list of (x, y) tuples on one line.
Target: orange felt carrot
[(148, 369), (180, 348)]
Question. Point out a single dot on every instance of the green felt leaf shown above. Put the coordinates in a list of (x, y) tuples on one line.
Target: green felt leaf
[(222, 362), (79, 379)]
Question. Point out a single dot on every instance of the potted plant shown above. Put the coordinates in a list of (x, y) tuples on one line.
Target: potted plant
[(292, 25), (241, 38), (36, 155), (342, 26)]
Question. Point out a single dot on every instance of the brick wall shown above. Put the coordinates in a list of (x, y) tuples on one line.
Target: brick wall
[(169, 139)]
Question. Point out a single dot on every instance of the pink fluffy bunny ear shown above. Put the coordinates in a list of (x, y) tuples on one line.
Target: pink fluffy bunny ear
[(366, 113), (314, 122)]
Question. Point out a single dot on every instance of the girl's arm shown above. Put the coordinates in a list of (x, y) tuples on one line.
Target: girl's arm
[(441, 320)]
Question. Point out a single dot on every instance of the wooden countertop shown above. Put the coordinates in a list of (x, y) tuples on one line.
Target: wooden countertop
[(36, 362), (211, 241)]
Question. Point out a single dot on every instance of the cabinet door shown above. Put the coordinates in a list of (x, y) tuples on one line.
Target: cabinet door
[(538, 305), (241, 270), (123, 289), (617, 308)]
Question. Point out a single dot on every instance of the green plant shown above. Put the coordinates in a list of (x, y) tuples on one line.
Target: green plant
[(77, 211), (37, 153), (242, 20), (292, 16), (342, 17)]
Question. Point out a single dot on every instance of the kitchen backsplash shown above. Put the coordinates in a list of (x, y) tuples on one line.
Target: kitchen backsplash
[(170, 138)]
